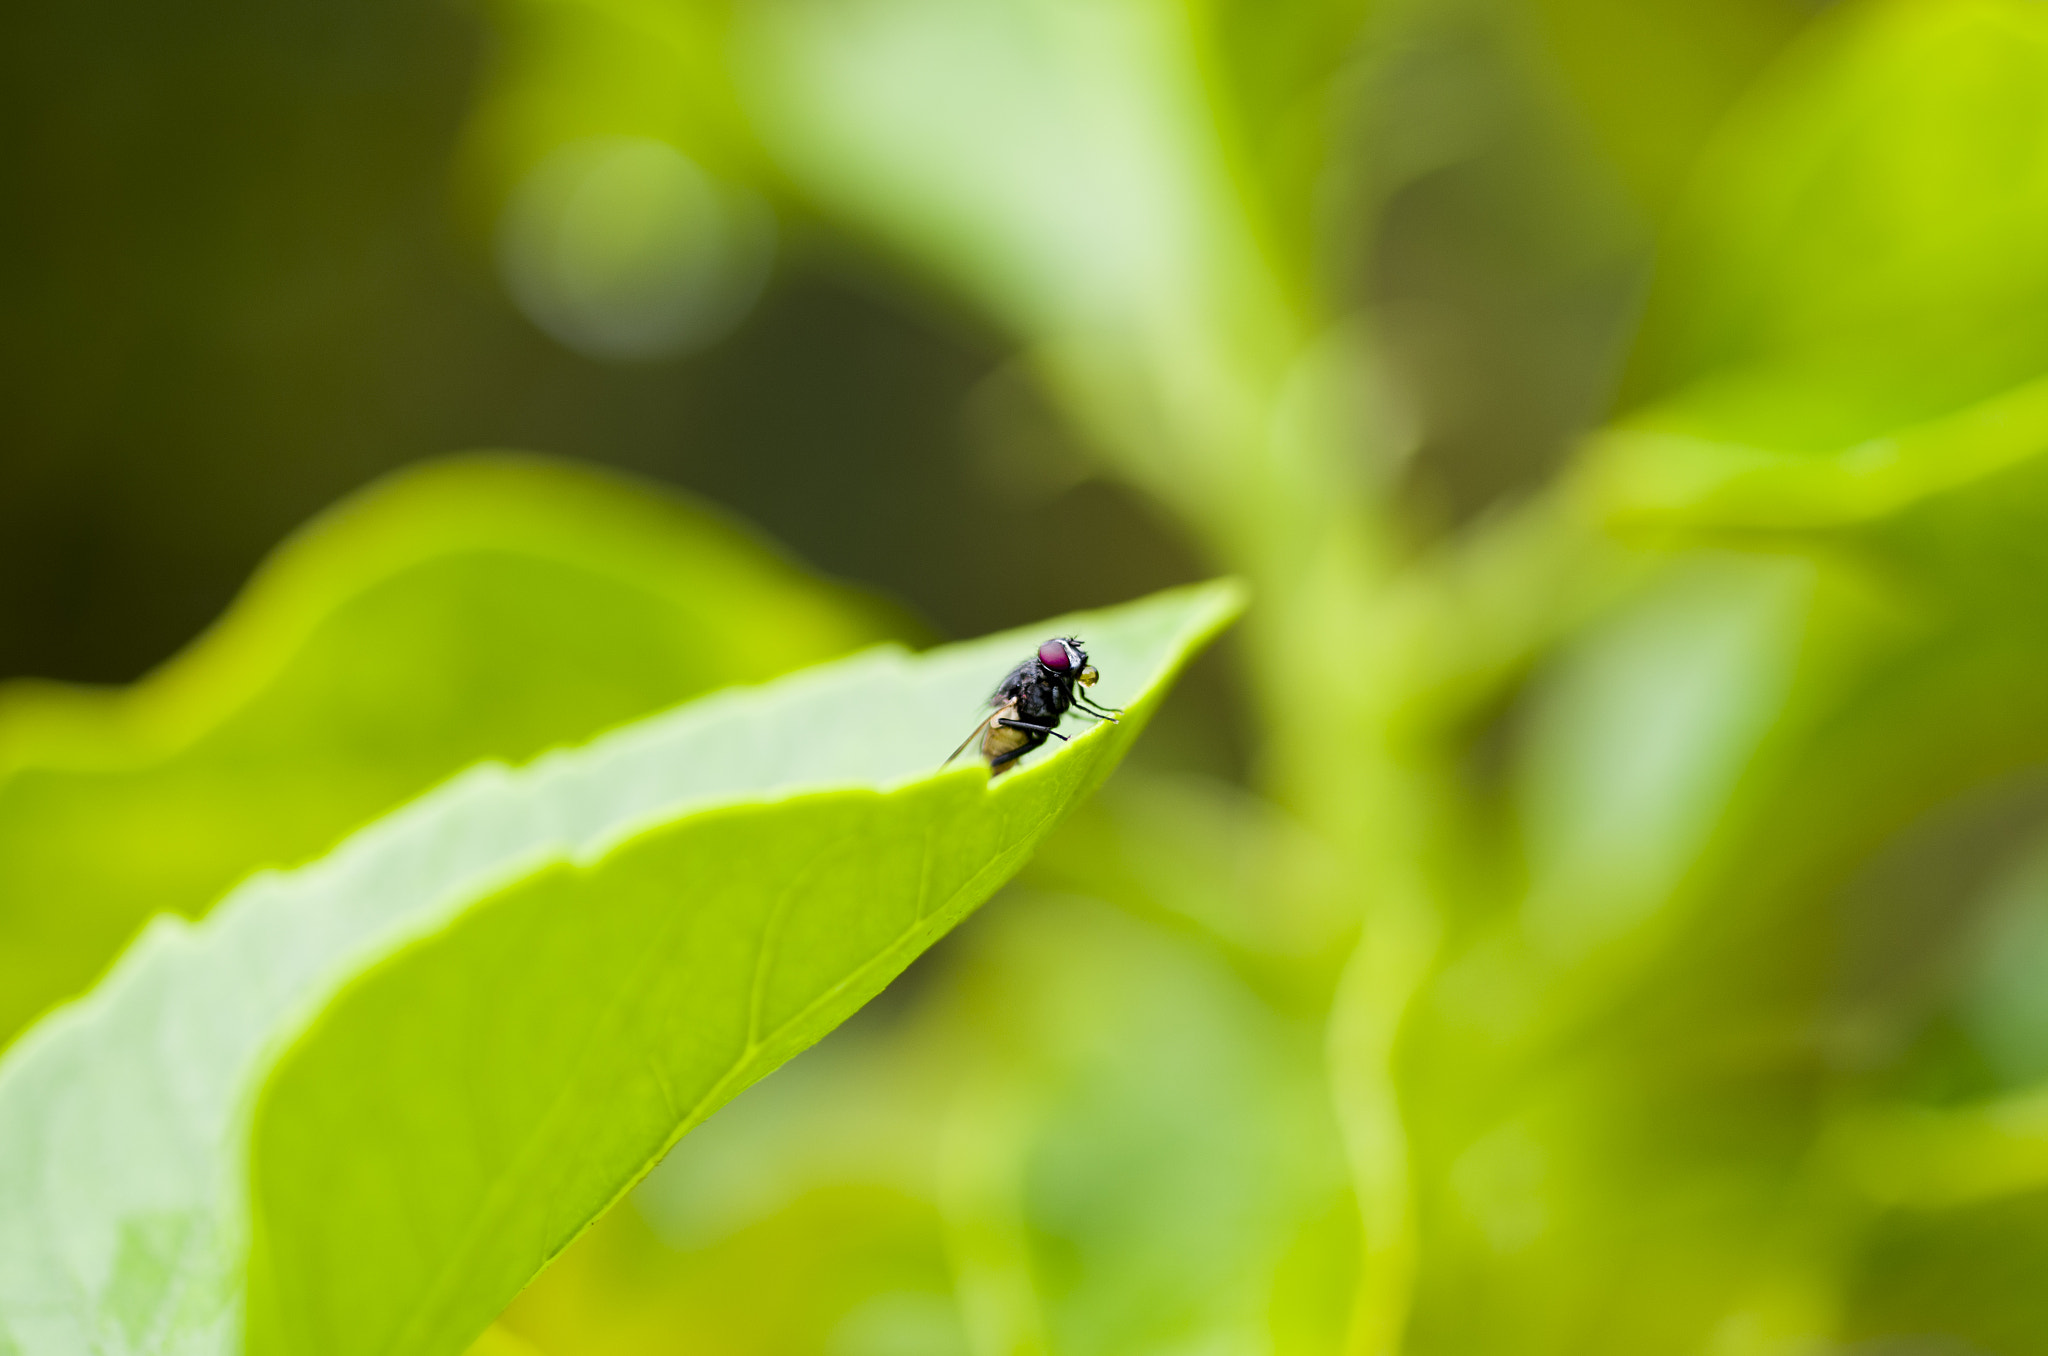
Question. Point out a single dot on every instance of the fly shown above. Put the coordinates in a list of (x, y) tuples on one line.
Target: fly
[(1031, 700)]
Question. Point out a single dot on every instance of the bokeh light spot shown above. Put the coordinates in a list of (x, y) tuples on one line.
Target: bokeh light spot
[(623, 248)]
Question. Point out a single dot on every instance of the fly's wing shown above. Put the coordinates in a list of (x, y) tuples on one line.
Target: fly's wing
[(991, 718)]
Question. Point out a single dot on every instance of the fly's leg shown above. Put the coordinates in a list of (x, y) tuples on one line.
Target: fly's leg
[(996, 765), (1035, 729), (1034, 737), (1088, 707)]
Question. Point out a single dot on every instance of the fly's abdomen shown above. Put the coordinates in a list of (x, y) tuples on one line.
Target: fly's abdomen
[(1001, 739)]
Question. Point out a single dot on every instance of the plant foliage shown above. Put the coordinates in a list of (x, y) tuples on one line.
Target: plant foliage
[(1631, 941), (360, 1103)]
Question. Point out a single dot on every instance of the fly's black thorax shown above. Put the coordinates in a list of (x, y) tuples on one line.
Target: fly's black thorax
[(1042, 696)]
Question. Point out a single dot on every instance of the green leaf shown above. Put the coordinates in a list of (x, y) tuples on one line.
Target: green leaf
[(1156, 1158), (1059, 166), (1115, 186), (1084, 1134), (472, 608), (1751, 806), (1848, 322), (1648, 473), (1861, 251), (1652, 82), (366, 1100), (1847, 342)]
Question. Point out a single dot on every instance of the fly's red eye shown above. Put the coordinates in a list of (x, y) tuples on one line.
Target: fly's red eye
[(1054, 656)]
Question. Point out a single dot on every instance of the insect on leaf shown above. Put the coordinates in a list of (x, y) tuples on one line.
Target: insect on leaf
[(361, 1103)]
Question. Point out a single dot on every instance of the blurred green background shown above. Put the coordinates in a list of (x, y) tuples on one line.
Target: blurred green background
[(244, 278), (1595, 904)]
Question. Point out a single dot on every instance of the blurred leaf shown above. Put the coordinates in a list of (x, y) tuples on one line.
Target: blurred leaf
[(1119, 186), (499, 1341), (2004, 1004), (1103, 1138), (1924, 1157), (847, 1268), (1284, 79), (1144, 1145), (371, 1097), (1751, 806), (799, 1219), (1637, 741), (1864, 248), (1656, 475), (1653, 80), (1848, 335), (612, 67), (1064, 165), (1200, 856), (1055, 162), (481, 607), (1967, 1275)]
